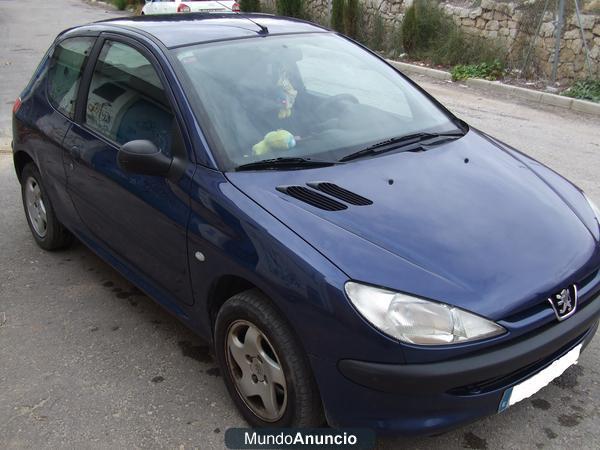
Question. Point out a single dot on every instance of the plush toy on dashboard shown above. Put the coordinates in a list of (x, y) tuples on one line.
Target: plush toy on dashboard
[(287, 95), (275, 140)]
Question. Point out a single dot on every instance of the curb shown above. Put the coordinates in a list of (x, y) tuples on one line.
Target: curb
[(531, 95)]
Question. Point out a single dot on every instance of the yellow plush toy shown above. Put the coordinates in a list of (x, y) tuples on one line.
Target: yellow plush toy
[(275, 140), (288, 95)]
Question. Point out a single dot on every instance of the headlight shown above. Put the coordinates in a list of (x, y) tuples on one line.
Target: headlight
[(418, 321), (594, 207)]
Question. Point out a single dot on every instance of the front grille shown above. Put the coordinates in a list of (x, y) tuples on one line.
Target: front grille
[(543, 303)]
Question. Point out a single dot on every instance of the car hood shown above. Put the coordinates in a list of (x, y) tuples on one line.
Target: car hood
[(469, 223)]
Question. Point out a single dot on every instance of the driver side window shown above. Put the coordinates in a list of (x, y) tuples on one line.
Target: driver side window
[(126, 99)]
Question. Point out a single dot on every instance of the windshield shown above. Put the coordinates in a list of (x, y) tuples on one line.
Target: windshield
[(315, 96)]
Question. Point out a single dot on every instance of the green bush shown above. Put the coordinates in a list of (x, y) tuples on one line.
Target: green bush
[(488, 71), (429, 34), (410, 29), (337, 15), (457, 47), (585, 90), (290, 8), (378, 36), (424, 23), (120, 4), (351, 16), (395, 44), (249, 5)]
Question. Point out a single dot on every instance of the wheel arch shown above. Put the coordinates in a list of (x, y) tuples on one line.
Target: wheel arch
[(227, 286), (221, 290), (21, 158)]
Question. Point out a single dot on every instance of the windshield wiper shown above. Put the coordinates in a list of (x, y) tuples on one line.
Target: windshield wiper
[(285, 163), (399, 142)]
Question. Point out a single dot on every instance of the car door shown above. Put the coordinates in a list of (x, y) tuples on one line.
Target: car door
[(142, 219), (49, 105)]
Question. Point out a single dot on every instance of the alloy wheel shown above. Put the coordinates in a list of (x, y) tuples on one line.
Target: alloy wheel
[(36, 210), (256, 370)]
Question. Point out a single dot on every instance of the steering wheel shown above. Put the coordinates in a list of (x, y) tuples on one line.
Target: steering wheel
[(335, 101)]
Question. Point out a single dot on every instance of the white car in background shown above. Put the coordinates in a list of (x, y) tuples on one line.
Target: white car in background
[(185, 6)]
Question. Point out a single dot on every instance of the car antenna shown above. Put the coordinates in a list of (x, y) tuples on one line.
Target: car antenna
[(263, 29)]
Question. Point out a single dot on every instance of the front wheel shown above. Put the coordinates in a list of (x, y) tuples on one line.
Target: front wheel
[(265, 369), (47, 231)]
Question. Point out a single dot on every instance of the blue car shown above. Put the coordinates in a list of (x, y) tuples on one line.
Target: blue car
[(354, 253)]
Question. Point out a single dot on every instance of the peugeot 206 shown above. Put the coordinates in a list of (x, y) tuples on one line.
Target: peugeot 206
[(353, 252)]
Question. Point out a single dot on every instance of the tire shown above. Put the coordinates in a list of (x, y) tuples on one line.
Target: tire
[(47, 231), (298, 404)]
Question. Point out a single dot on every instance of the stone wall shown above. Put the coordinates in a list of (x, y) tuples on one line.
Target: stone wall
[(513, 23)]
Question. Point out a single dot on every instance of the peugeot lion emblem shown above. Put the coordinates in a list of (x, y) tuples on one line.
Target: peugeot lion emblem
[(565, 302)]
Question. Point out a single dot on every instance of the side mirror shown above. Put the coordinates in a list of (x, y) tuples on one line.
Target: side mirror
[(143, 157)]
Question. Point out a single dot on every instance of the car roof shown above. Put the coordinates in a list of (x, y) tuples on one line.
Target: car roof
[(175, 30)]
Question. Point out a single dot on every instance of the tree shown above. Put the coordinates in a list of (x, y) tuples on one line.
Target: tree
[(337, 15)]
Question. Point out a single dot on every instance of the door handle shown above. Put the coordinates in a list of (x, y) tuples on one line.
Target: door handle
[(75, 152)]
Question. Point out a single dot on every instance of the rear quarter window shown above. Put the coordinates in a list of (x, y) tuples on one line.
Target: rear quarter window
[(64, 74)]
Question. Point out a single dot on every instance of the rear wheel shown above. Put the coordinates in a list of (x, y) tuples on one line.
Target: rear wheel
[(47, 231), (265, 369)]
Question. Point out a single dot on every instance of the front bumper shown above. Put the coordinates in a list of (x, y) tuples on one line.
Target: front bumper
[(434, 397)]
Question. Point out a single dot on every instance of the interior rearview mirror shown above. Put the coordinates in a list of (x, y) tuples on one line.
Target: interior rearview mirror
[(143, 157)]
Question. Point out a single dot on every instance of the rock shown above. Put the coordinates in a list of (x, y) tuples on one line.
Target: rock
[(567, 55), (468, 23), (571, 34), (475, 13), (488, 4), (492, 34), (462, 12), (499, 15), (566, 70), (502, 8), (587, 21), (493, 25), (547, 29), (480, 23)]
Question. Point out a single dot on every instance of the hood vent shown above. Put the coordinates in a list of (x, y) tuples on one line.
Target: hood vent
[(343, 194), (312, 198)]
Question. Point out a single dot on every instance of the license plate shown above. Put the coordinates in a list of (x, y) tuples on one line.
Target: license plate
[(530, 386)]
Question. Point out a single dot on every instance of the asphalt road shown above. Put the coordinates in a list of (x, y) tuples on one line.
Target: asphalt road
[(87, 361)]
